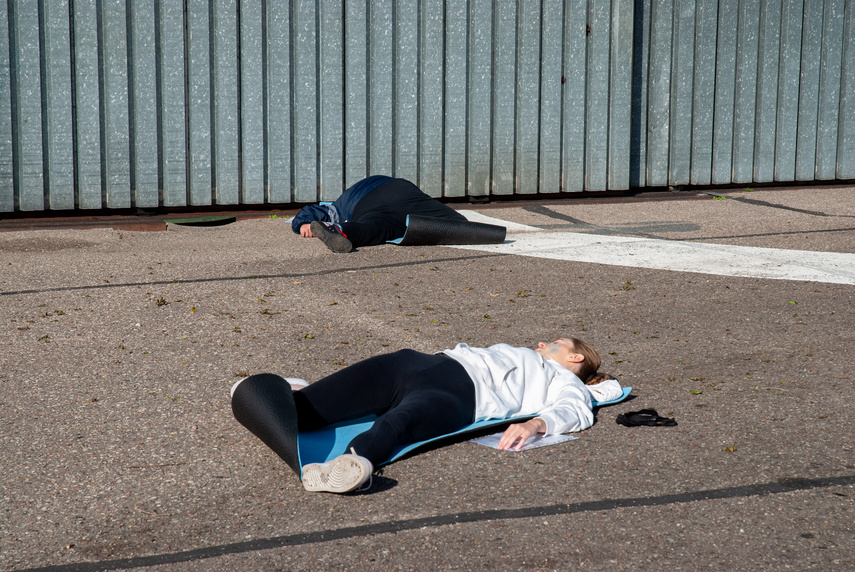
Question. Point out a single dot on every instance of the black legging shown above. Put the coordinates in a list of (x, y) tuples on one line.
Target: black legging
[(416, 397), (381, 215)]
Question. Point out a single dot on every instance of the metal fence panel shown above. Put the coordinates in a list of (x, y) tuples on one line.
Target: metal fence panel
[(703, 93), (682, 69), (114, 100), (173, 112), (526, 117), (251, 103), (597, 97), (768, 56), (144, 179), (59, 156), (620, 99), (87, 98), (809, 91), (152, 104), (549, 145), (7, 184), (788, 90), (305, 131), (504, 97), (480, 86), (356, 85), (575, 88), (659, 92), (454, 100), (278, 98), (380, 72), (431, 97), (406, 121), (198, 67), (226, 177), (331, 90), (725, 82), (846, 133), (829, 91), (744, 112), (639, 101), (26, 83)]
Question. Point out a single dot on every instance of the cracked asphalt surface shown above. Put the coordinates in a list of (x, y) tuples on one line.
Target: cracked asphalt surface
[(119, 450)]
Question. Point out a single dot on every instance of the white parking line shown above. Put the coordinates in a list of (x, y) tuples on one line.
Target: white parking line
[(701, 257)]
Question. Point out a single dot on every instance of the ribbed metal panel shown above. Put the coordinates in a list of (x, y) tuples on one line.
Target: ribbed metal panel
[(725, 88), (305, 101), (7, 184), (620, 95), (756, 91), (224, 102), (198, 70), (431, 98), (703, 93), (278, 102), (58, 156), (768, 55), (114, 102), (27, 111), (406, 120), (149, 103), (251, 111), (331, 95), (453, 140), (87, 96), (846, 134), (144, 119), (173, 114)]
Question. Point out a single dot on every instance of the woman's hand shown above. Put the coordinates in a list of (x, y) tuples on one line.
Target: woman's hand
[(306, 230), (520, 432)]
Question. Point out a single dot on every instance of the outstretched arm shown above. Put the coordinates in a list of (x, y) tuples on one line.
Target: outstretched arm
[(308, 214), (519, 432)]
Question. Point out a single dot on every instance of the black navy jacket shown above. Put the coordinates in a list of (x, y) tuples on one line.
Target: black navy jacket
[(342, 209)]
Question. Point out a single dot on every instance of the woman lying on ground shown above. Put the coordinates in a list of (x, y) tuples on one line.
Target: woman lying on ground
[(371, 212), (419, 396)]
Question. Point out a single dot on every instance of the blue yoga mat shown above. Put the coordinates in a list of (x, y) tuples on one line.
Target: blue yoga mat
[(330, 442)]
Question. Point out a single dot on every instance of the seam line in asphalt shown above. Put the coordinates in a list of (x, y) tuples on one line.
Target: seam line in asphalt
[(250, 277), (780, 486)]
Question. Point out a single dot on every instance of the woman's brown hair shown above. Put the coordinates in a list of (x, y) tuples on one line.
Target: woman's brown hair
[(588, 368)]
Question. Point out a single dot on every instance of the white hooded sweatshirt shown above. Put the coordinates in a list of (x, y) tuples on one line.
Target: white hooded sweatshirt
[(511, 382)]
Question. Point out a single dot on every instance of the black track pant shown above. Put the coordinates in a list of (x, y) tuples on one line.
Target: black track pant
[(416, 397), (381, 215)]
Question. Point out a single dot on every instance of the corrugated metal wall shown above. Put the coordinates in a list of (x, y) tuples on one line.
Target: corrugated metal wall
[(155, 103), (743, 91)]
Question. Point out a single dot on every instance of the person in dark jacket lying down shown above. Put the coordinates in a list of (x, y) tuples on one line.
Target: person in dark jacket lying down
[(371, 212)]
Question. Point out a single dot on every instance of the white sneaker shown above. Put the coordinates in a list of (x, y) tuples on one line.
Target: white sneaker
[(234, 387), (296, 383), (343, 474)]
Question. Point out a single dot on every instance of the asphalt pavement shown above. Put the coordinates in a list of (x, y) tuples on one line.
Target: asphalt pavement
[(119, 450)]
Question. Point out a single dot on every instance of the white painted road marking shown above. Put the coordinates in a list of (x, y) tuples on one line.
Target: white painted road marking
[(701, 257)]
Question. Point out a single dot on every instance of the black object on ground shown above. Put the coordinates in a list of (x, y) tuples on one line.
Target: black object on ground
[(647, 417)]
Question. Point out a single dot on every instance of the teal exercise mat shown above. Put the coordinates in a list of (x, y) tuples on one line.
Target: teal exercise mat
[(427, 231), (330, 442), (263, 404)]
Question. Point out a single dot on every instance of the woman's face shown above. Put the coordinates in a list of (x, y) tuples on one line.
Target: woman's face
[(562, 351)]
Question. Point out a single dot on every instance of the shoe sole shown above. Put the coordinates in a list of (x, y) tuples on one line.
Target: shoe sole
[(333, 240), (343, 474)]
